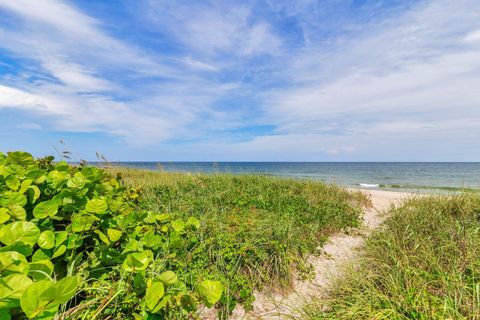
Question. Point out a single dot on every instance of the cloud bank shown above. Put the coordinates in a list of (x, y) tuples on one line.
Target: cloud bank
[(215, 80)]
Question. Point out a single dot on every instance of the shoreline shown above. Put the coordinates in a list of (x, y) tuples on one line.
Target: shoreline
[(391, 187)]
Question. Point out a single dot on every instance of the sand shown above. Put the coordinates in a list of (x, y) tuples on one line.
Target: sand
[(341, 249)]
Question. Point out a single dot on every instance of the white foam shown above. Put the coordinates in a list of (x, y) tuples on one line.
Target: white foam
[(369, 185)]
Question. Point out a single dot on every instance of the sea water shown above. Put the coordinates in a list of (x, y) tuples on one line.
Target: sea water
[(448, 176)]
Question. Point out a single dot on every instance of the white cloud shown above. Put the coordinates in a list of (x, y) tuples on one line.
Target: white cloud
[(394, 82), (409, 74), (60, 41), (214, 28)]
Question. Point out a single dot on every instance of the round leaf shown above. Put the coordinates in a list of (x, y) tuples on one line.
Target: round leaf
[(17, 212), (20, 157), (46, 240), (11, 198), (178, 225), (45, 209), (210, 291), (13, 182), (114, 235), (137, 261), (77, 182), (32, 301), (11, 289), (96, 205), (153, 295), (20, 231), (13, 262), (82, 222), (168, 278)]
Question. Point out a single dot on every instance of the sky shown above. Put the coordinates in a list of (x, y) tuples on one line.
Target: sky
[(265, 80)]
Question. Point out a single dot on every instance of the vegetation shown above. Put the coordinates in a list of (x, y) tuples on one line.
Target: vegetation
[(79, 242), (75, 232), (256, 230), (425, 264)]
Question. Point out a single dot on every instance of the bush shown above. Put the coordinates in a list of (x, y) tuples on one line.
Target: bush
[(74, 245), (257, 231), (424, 264)]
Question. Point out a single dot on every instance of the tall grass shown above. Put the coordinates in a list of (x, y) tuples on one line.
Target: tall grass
[(425, 264), (256, 230)]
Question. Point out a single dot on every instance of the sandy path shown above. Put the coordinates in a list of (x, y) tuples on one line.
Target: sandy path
[(339, 250)]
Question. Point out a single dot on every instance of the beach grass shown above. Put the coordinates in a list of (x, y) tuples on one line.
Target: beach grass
[(257, 231), (424, 264)]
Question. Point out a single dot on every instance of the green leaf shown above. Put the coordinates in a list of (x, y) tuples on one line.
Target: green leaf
[(43, 297), (13, 182), (77, 182), (25, 185), (83, 222), (4, 216), (41, 254), (45, 209), (178, 225), (152, 240), (12, 198), (132, 245), (5, 315), (60, 237), (102, 237), (60, 250), (57, 178), (62, 290), (13, 262), (37, 175), (62, 165), (168, 278), (46, 240), (163, 217), (20, 231), (11, 289), (15, 170), (17, 212), (114, 235), (74, 241), (189, 303), (19, 247), (32, 302), (20, 157), (41, 270), (210, 291), (33, 193), (153, 295), (137, 261), (193, 222), (96, 205)]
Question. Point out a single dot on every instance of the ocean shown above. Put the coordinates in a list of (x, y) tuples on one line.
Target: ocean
[(446, 176)]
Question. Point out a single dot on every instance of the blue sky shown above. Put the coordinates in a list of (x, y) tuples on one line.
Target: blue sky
[(305, 80)]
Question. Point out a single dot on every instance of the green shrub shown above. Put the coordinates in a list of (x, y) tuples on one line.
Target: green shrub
[(74, 245), (257, 231), (424, 264)]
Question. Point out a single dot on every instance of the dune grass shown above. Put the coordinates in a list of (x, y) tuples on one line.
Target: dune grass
[(425, 264), (256, 230)]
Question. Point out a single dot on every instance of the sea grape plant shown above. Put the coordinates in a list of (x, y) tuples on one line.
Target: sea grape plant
[(73, 244)]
